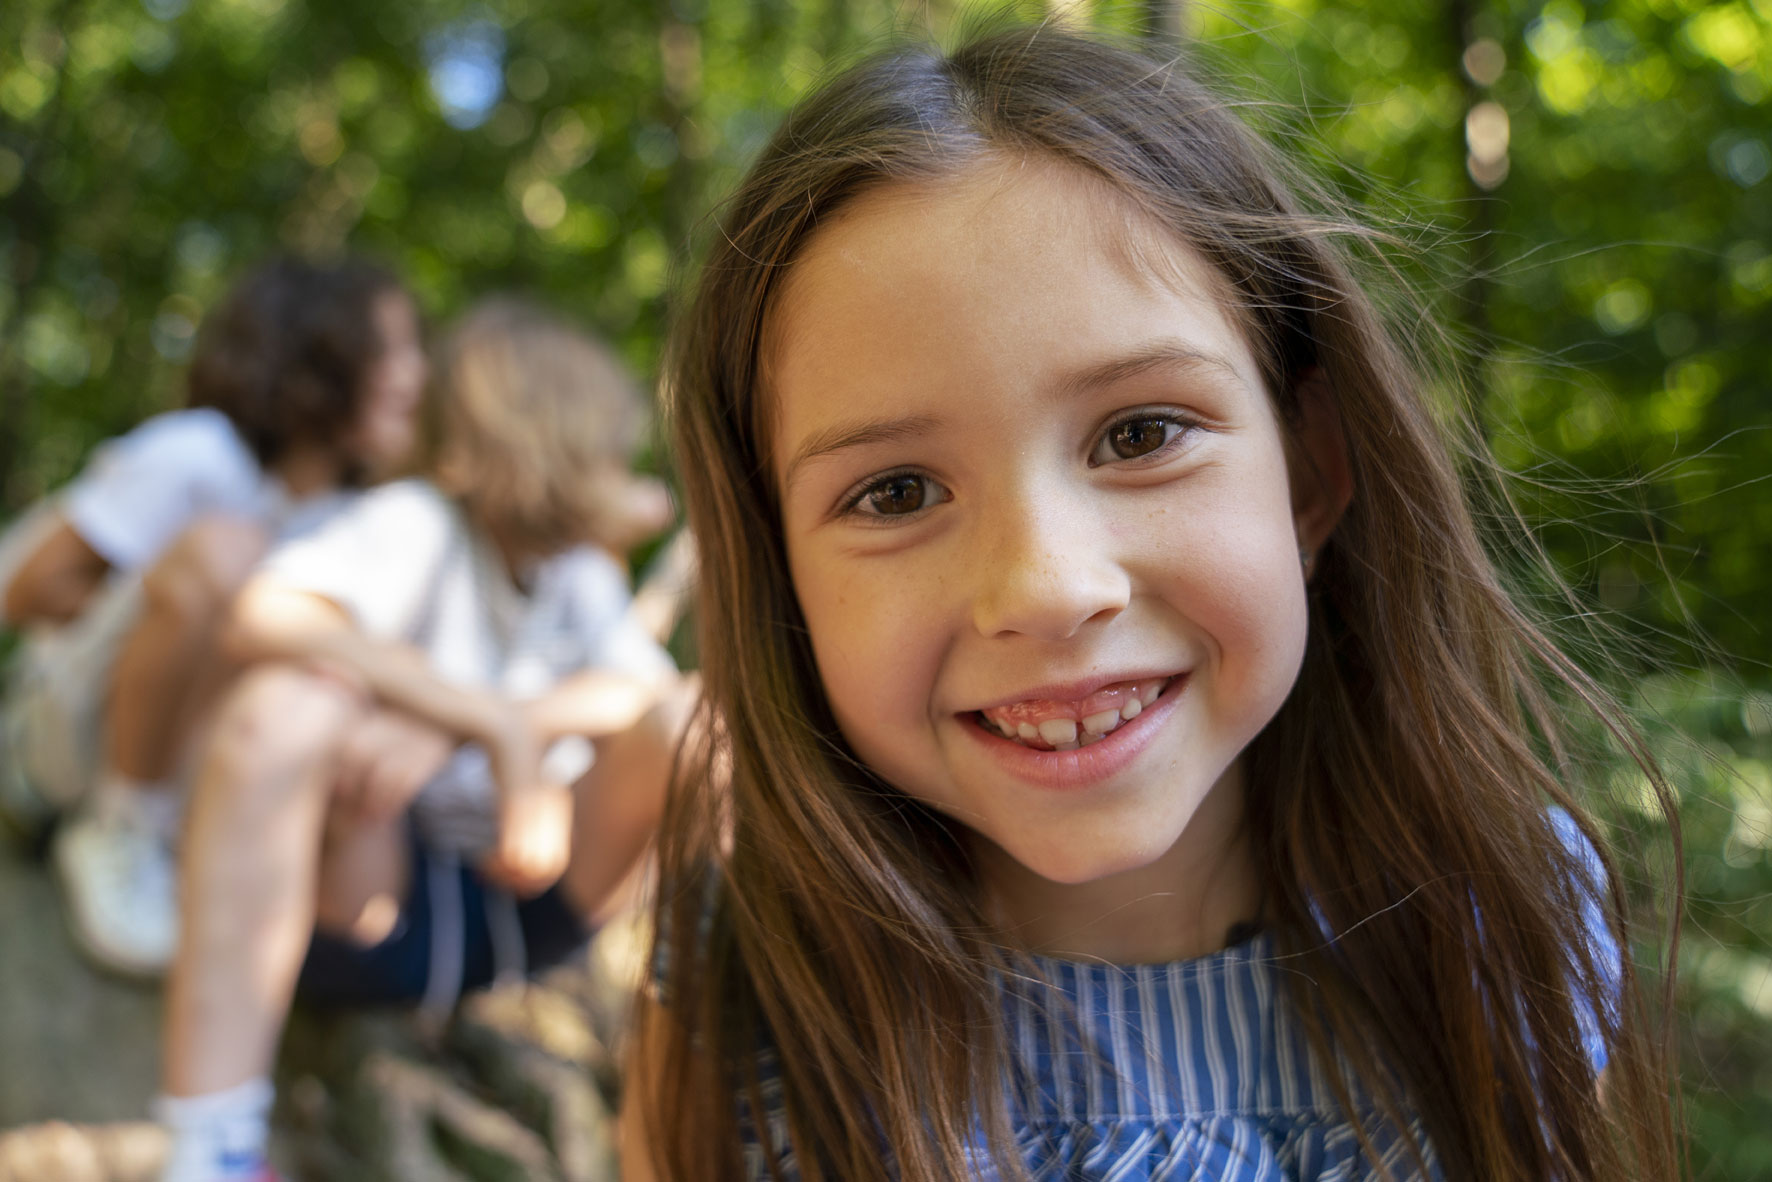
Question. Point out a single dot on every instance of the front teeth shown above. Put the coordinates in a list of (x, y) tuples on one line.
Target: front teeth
[(1058, 731), (1102, 723), (1067, 734)]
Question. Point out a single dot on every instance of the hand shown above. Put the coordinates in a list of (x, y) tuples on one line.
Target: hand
[(385, 760), (534, 838), (534, 814)]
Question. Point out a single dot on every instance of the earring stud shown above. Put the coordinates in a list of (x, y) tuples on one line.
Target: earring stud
[(1304, 557)]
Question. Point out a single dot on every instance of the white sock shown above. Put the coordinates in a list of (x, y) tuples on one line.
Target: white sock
[(218, 1136), (153, 805)]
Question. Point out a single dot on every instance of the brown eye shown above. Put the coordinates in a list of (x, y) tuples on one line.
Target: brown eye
[(897, 495), (1138, 437)]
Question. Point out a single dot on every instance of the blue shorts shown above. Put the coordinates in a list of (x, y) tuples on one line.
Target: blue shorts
[(456, 932)]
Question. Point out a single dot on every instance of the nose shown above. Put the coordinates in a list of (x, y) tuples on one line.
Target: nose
[(1047, 570)]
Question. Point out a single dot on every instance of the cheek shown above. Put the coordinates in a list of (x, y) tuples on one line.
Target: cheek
[(875, 644), (1239, 581), (1265, 643)]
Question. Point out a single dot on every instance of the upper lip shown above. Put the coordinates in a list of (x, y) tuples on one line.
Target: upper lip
[(1072, 691)]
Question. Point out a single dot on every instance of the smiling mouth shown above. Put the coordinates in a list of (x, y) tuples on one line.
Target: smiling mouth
[(1047, 725)]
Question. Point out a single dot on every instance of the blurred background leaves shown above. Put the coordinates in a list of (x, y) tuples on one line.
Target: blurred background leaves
[(1588, 184)]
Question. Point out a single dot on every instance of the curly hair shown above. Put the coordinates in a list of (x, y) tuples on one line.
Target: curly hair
[(285, 355)]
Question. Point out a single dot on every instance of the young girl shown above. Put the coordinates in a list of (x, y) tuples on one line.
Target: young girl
[(1136, 768), (305, 380), (404, 770)]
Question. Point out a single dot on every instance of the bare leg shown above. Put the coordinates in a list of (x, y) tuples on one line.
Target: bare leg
[(619, 803), (249, 886), (168, 668), (364, 873)]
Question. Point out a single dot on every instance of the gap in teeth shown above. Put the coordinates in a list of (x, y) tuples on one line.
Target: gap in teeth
[(1067, 734)]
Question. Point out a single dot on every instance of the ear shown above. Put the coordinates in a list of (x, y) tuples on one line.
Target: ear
[(1322, 475)]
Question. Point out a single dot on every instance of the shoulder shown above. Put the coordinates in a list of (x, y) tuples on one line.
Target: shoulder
[(414, 495), (375, 556), (198, 446), (413, 504), (1578, 845), (599, 605), (592, 578), (140, 490), (1588, 889), (201, 435), (380, 532)]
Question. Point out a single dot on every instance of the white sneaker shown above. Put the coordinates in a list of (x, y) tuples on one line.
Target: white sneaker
[(121, 885)]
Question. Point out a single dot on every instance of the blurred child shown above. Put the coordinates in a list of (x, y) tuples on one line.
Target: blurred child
[(405, 770), (305, 381)]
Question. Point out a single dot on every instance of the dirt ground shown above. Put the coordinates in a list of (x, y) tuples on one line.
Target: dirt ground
[(76, 1048), (522, 1085)]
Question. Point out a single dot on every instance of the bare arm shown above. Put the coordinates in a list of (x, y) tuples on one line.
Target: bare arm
[(54, 584), (273, 622), (664, 594), (595, 703)]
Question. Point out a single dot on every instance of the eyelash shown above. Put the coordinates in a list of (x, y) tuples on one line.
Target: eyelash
[(1185, 425), (851, 504)]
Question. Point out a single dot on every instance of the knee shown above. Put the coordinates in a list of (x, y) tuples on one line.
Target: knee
[(646, 752), (675, 716), (193, 581), (276, 722)]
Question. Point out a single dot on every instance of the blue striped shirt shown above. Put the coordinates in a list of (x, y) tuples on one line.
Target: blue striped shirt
[(1195, 1070)]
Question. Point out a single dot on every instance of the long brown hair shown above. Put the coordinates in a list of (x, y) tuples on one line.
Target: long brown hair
[(532, 426), (1399, 799)]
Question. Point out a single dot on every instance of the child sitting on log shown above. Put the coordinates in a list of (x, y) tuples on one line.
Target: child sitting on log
[(305, 382)]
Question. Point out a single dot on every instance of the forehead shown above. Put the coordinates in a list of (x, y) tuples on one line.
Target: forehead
[(998, 277)]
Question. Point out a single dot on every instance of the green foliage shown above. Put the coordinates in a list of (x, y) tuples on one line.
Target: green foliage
[(1714, 737), (1589, 184)]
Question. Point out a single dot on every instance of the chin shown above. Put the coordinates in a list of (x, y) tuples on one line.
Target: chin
[(1076, 867)]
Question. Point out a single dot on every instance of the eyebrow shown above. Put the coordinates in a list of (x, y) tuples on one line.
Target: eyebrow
[(844, 436), (1154, 356)]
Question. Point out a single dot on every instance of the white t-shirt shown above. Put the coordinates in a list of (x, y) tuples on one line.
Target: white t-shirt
[(143, 489), (402, 563)]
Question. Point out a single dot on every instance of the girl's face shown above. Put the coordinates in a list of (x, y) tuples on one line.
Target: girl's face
[(1030, 483), (392, 387)]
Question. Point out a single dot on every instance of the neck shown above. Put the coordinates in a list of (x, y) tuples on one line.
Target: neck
[(306, 470), (1181, 905), (515, 558)]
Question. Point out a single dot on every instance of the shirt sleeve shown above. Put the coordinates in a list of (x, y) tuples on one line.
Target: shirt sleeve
[(22, 537), (612, 636), (378, 558), (142, 490), (1608, 958)]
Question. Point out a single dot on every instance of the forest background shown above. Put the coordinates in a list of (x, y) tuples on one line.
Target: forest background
[(1584, 187)]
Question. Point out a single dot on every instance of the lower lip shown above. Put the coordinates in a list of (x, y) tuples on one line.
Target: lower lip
[(1086, 766)]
